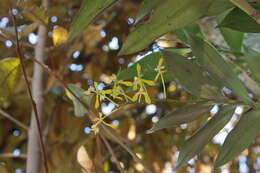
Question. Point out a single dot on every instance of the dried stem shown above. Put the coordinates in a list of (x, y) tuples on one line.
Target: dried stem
[(9, 117), (114, 158), (11, 155), (135, 157), (21, 57)]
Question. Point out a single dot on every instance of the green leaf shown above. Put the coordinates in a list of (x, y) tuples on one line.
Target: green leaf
[(203, 136), (168, 16), (182, 36), (148, 64), (240, 137), (240, 21), (9, 72), (192, 77), (219, 6), (79, 109), (233, 38), (253, 59), (147, 7), (182, 115), (88, 11), (212, 62)]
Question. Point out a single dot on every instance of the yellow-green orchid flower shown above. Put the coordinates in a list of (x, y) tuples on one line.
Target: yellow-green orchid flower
[(118, 91), (140, 84), (98, 121), (160, 69), (100, 94)]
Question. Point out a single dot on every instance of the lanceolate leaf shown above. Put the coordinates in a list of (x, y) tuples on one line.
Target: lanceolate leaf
[(233, 38), (147, 7), (219, 6), (79, 109), (240, 21), (148, 64), (192, 77), (253, 59), (88, 11), (182, 115), (181, 33), (212, 61), (168, 16), (9, 73), (240, 137), (200, 138)]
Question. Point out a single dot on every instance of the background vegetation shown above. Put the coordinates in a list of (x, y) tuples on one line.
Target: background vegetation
[(208, 55)]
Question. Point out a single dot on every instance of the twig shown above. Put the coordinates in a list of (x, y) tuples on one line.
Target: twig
[(48, 70), (9, 117), (135, 157), (11, 155), (114, 158), (21, 57)]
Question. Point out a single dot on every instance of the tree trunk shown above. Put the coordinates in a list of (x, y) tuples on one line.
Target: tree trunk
[(34, 155)]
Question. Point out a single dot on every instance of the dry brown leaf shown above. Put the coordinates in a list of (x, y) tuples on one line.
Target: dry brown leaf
[(84, 160)]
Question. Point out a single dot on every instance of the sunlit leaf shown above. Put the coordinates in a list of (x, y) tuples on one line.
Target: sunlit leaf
[(240, 137), (192, 77), (201, 137), (59, 36), (182, 115), (89, 10), (212, 62), (253, 59), (9, 72), (79, 109), (168, 16), (240, 21)]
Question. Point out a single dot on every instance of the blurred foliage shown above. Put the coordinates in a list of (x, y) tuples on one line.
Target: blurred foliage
[(93, 56)]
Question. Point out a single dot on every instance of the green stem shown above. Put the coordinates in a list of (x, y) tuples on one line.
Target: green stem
[(164, 88)]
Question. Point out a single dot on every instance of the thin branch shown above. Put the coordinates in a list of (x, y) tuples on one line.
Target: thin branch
[(11, 155), (11, 118), (135, 157), (114, 158), (50, 72), (21, 57)]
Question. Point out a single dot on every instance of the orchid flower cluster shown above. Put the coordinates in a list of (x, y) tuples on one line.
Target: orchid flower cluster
[(118, 91)]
